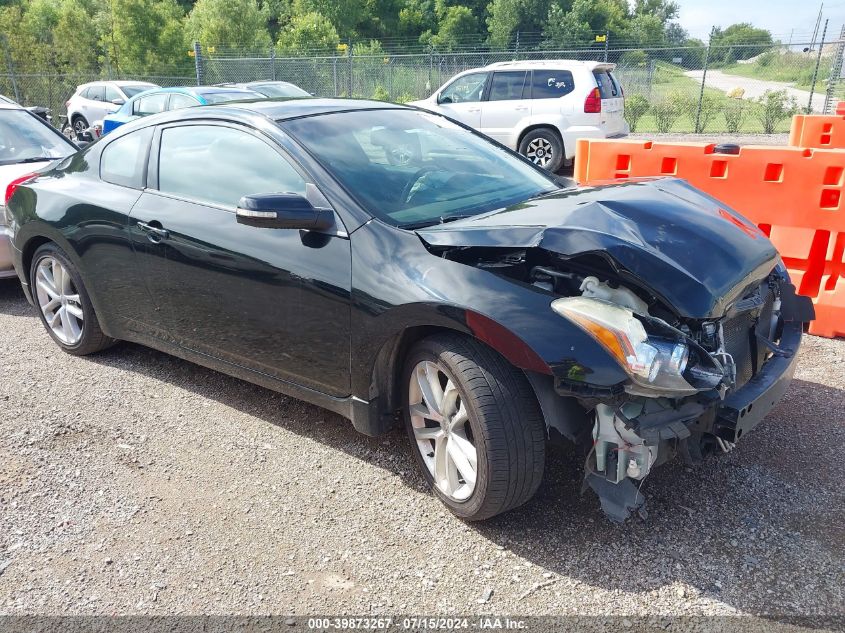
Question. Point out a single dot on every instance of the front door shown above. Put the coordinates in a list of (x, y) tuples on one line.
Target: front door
[(275, 301), (461, 99)]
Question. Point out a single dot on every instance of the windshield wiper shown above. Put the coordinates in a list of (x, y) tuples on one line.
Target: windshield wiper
[(443, 219), (38, 159)]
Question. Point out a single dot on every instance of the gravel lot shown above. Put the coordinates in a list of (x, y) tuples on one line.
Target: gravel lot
[(132, 482)]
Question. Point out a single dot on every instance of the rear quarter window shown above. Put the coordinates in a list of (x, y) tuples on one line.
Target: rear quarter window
[(551, 84), (123, 161)]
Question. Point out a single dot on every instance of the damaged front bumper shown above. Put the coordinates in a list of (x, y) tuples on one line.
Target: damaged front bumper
[(633, 434)]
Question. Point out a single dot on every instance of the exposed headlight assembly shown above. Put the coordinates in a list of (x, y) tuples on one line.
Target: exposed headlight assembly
[(655, 364)]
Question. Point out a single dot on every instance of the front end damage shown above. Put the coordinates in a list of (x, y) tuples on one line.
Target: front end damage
[(689, 299), (697, 385)]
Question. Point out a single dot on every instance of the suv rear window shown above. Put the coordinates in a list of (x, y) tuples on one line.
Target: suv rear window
[(607, 87), (550, 84)]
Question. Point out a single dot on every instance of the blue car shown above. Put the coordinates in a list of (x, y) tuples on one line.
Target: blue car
[(163, 99)]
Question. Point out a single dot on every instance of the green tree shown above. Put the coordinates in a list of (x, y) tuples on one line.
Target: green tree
[(739, 41), (308, 32), (505, 18), (454, 24), (231, 23), (145, 36), (577, 26), (345, 15), (416, 17), (77, 44)]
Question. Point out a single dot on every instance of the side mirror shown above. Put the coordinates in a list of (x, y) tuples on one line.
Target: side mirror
[(283, 211), (441, 99), (118, 101)]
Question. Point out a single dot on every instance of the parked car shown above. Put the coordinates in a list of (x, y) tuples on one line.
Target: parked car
[(93, 101), (537, 107), (39, 111), (27, 143), (466, 291), (273, 89), (164, 99)]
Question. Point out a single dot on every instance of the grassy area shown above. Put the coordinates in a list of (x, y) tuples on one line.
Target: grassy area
[(785, 66)]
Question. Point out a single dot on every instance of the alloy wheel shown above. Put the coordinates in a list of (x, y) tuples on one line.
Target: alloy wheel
[(79, 127), (540, 152), (59, 301), (442, 431)]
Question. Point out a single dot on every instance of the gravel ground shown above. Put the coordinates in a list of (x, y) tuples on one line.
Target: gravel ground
[(135, 483), (740, 139)]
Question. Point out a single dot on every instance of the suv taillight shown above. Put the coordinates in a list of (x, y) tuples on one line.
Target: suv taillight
[(12, 187), (592, 104)]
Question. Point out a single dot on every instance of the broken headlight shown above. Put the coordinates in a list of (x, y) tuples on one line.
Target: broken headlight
[(655, 364)]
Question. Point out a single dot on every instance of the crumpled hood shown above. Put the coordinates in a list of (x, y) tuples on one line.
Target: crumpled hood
[(685, 246)]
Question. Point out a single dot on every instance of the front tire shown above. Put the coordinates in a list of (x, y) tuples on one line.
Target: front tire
[(544, 148), (475, 426), (63, 303)]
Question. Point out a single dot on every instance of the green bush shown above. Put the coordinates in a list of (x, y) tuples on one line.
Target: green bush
[(711, 104), (735, 111), (381, 94), (773, 107), (666, 112), (636, 106)]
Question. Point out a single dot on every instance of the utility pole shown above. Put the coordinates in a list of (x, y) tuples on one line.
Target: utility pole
[(198, 62), (816, 69), (11, 67), (703, 80)]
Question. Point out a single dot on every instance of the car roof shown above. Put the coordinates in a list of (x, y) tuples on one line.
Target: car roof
[(295, 107), (552, 63), (10, 105)]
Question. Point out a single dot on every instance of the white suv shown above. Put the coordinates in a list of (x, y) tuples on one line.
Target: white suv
[(539, 108), (93, 101)]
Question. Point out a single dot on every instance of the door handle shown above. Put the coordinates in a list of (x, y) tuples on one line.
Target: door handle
[(473, 109), (154, 233), (521, 108)]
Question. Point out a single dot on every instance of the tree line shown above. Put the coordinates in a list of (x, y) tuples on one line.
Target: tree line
[(154, 37)]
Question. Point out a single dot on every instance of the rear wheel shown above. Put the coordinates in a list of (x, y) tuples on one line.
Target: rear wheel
[(63, 303), (79, 125), (475, 426), (544, 148)]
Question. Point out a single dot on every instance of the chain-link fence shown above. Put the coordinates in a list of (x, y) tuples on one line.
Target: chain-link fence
[(741, 88)]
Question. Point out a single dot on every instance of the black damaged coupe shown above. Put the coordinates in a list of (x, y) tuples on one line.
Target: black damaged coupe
[(395, 267)]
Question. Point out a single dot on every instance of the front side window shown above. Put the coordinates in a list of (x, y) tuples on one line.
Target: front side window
[(413, 168), (124, 159), (112, 93), (466, 89), (551, 84), (507, 86), (153, 104), (221, 165)]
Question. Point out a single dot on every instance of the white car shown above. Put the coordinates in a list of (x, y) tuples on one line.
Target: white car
[(27, 143), (536, 107), (93, 101)]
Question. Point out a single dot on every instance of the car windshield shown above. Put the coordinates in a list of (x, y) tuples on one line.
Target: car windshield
[(280, 90), (131, 91), (413, 168), (220, 97), (23, 138)]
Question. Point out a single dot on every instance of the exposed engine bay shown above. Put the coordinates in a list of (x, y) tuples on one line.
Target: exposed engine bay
[(682, 369)]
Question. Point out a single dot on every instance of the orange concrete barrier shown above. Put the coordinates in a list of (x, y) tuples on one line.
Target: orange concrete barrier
[(794, 195), (817, 130), (840, 107)]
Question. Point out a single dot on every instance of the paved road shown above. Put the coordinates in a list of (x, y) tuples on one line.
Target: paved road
[(135, 483), (756, 87)]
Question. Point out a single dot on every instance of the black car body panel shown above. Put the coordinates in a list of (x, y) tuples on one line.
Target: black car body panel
[(326, 316), (665, 234)]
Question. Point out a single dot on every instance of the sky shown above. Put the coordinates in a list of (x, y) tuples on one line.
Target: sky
[(778, 16)]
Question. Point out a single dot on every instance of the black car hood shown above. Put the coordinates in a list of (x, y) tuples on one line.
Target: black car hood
[(685, 246)]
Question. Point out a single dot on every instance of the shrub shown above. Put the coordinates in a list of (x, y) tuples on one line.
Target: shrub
[(710, 106), (735, 112), (774, 107), (636, 107), (380, 94), (666, 112)]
